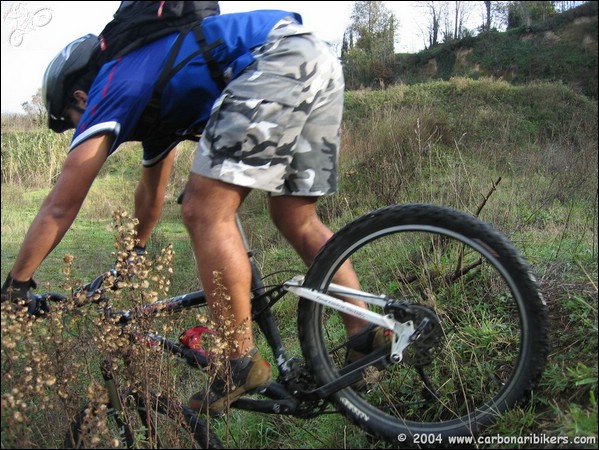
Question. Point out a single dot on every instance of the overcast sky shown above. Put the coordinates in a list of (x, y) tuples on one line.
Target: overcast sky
[(34, 32)]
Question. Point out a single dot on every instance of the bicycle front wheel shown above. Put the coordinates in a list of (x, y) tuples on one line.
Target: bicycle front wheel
[(147, 421), (483, 337)]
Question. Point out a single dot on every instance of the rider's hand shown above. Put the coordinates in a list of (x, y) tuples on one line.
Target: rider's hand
[(19, 293)]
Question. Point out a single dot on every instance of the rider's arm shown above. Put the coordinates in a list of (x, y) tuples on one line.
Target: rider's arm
[(62, 205), (149, 196)]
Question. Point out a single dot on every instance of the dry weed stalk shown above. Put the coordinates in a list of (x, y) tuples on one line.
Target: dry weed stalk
[(49, 364)]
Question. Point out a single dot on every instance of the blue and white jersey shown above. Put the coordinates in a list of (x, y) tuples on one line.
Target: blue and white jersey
[(124, 86)]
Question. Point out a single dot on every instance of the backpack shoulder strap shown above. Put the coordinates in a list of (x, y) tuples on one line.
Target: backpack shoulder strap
[(151, 113), (215, 71)]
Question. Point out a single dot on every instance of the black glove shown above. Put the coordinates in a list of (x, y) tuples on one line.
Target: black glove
[(19, 293)]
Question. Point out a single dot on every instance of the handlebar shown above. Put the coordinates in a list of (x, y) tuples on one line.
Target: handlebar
[(50, 296), (95, 288), (94, 292)]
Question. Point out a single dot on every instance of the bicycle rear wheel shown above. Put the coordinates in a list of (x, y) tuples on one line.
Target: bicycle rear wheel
[(484, 349), (147, 422)]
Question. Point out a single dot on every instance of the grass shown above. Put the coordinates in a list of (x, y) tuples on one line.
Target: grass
[(524, 158)]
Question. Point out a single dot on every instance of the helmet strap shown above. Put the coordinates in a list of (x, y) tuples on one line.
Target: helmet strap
[(77, 108)]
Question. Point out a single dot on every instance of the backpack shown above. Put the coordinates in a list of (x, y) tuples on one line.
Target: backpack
[(137, 23)]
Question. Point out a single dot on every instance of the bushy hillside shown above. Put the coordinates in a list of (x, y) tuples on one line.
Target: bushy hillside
[(563, 49)]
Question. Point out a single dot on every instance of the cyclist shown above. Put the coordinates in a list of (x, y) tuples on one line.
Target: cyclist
[(274, 127)]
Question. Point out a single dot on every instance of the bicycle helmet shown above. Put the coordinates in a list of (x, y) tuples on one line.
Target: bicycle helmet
[(71, 63)]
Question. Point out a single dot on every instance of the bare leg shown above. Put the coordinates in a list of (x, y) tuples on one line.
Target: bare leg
[(297, 219), (209, 212)]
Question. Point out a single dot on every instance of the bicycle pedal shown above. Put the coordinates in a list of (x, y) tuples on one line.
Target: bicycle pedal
[(192, 339)]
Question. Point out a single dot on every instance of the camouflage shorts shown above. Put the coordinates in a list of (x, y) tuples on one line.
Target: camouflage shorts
[(276, 127)]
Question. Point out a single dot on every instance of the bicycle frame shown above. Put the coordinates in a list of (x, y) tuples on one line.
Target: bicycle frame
[(282, 400), (403, 332)]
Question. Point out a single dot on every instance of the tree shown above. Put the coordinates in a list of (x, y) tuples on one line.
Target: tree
[(461, 12), (495, 15), (368, 49), (35, 108), (453, 16), (525, 14), (447, 20), (488, 14), (565, 5), (435, 12)]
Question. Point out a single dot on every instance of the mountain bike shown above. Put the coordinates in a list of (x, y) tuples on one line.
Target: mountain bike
[(468, 330)]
